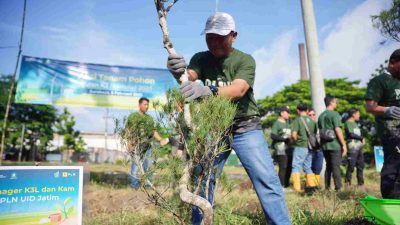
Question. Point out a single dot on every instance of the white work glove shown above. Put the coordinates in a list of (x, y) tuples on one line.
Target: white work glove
[(193, 90), (392, 112), (176, 65)]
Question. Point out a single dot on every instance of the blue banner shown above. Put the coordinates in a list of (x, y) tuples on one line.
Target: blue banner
[(56, 82), (41, 195)]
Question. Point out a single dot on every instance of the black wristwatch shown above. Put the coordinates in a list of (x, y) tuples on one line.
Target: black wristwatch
[(214, 89)]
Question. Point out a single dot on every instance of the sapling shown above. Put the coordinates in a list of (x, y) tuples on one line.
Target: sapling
[(203, 143)]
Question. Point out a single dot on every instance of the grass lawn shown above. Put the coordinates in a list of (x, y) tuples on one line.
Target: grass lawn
[(236, 202)]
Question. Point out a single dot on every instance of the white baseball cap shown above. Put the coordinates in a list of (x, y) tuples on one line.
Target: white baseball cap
[(219, 23)]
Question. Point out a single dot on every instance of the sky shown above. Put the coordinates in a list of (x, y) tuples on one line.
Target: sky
[(126, 32)]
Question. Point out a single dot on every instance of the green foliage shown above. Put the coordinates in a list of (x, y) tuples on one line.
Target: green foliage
[(136, 132), (388, 21), (211, 120), (38, 119), (5, 83), (349, 94), (72, 138)]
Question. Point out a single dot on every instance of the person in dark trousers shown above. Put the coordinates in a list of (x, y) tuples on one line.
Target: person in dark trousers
[(280, 136), (355, 143), (383, 101), (317, 155), (332, 141), (230, 73)]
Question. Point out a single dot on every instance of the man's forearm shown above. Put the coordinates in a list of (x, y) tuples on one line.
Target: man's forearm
[(236, 90), (373, 108), (294, 136), (355, 136), (277, 137), (230, 92)]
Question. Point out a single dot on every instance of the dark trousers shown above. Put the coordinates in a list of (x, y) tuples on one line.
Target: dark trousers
[(355, 158), (317, 162), (390, 174), (333, 159), (285, 168)]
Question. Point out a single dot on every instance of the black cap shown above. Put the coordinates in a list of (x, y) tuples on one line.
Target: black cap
[(302, 107), (284, 109), (395, 57)]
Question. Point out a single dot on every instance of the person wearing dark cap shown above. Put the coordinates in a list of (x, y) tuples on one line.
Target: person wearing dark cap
[(383, 100), (280, 136), (355, 143), (302, 127), (230, 73), (332, 141)]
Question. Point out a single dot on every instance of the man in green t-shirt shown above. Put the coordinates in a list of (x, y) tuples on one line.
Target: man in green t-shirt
[(334, 148), (355, 143), (230, 73), (280, 136), (383, 101), (317, 155), (302, 127), (146, 135)]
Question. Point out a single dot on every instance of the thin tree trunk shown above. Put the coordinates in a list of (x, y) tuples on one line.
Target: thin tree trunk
[(170, 49), (185, 195), (196, 200), (3, 135)]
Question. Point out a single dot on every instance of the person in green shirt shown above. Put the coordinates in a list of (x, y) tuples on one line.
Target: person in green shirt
[(280, 135), (302, 127), (383, 100), (228, 72), (335, 148), (317, 155), (147, 134), (355, 143)]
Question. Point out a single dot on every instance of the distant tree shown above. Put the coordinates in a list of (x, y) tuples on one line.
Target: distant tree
[(37, 119), (388, 21), (381, 69), (65, 126), (5, 82)]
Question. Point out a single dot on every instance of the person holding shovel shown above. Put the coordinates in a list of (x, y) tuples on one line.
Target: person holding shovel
[(228, 72)]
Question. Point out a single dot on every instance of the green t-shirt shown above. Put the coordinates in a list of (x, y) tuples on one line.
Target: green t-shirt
[(385, 90), (352, 127), (330, 120), (221, 72), (298, 126), (283, 130)]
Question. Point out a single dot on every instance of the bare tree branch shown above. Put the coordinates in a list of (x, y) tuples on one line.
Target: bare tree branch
[(170, 6)]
